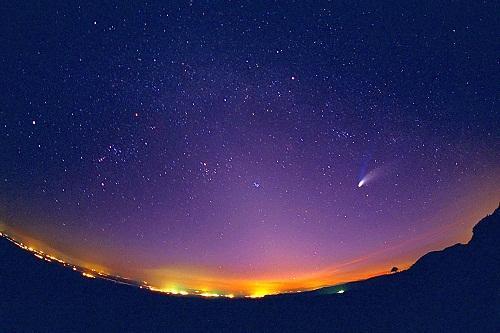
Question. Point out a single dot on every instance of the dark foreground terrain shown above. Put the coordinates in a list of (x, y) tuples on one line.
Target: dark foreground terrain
[(456, 289)]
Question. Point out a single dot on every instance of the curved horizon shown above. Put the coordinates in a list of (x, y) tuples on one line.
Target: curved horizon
[(199, 282), (247, 149)]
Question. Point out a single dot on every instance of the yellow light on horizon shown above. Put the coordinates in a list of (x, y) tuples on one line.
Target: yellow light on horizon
[(205, 294), (259, 293)]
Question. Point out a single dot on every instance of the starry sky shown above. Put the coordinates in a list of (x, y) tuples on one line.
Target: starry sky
[(247, 147)]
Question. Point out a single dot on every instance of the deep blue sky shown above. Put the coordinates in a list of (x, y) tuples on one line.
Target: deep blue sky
[(222, 143)]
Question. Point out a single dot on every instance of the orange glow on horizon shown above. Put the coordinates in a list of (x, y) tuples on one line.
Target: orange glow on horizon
[(209, 283), (217, 286)]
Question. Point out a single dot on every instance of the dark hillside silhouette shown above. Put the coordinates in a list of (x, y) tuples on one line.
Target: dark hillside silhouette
[(456, 289)]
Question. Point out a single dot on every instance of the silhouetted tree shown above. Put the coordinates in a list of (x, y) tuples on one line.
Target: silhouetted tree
[(394, 269)]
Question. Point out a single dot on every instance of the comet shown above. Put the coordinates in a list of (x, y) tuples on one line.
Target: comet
[(370, 176), (364, 177)]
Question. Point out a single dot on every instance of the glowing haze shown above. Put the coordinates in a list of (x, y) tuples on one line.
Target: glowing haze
[(219, 148)]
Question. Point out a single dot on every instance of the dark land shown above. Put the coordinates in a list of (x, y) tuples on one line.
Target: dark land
[(453, 290)]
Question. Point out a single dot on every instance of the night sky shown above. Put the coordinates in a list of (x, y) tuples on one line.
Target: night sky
[(247, 147)]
